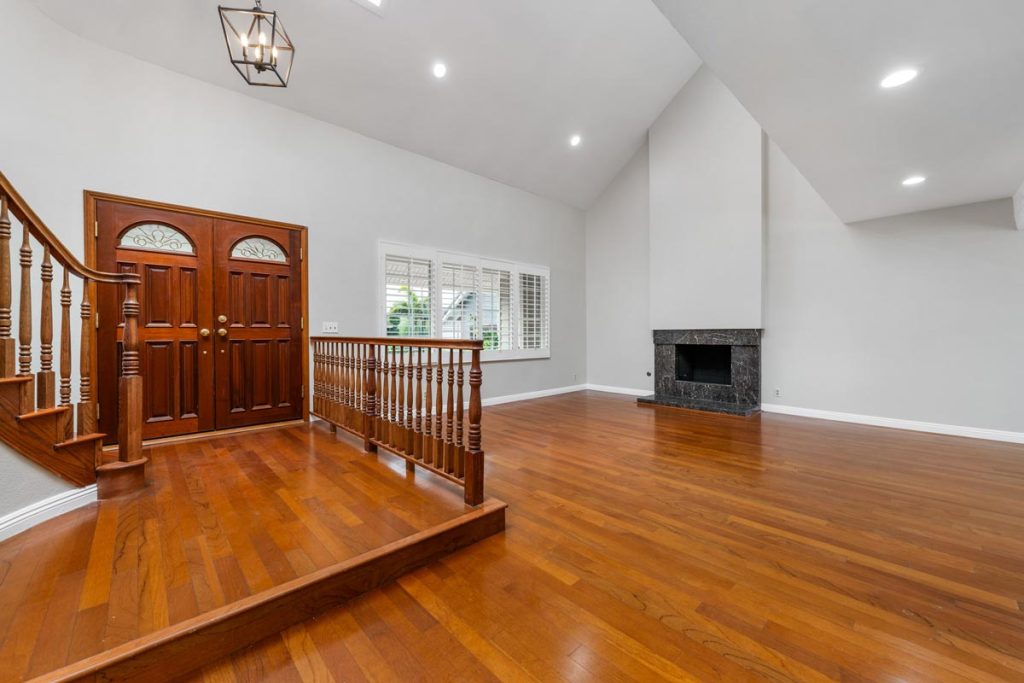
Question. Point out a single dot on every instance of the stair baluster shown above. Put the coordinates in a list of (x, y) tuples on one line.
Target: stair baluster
[(86, 407), (28, 398), (45, 378), (6, 341), (65, 353)]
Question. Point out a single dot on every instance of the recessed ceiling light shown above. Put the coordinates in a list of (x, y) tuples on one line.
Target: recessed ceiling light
[(440, 70), (898, 78), (914, 180), (575, 141)]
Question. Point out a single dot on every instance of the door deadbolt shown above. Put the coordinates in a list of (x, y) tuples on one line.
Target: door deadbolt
[(222, 319)]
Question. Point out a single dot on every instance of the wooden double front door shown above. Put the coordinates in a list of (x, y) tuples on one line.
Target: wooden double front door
[(220, 333)]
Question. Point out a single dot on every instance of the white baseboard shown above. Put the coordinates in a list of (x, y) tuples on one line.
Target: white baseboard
[(619, 390), (895, 423), (36, 513), (512, 398)]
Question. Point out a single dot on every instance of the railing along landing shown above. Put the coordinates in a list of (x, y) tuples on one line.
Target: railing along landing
[(408, 396)]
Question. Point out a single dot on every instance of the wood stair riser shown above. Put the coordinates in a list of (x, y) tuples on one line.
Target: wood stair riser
[(36, 435)]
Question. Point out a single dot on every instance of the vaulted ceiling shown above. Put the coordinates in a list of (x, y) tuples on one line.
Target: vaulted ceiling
[(523, 75), (809, 73)]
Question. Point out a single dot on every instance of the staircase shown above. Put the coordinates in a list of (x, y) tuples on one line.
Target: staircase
[(37, 416)]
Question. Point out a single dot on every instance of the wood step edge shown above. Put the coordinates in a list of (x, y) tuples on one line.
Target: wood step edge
[(84, 438), (57, 410), (191, 644), (17, 379)]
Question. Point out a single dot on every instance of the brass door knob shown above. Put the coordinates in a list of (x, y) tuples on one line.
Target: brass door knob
[(204, 332), (222, 332), (222, 319)]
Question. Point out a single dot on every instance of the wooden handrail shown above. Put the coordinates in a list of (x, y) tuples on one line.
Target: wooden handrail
[(24, 213), (421, 342), (391, 392)]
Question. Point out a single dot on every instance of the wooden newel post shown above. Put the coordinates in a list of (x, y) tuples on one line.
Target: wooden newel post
[(370, 410), (129, 428), (474, 454)]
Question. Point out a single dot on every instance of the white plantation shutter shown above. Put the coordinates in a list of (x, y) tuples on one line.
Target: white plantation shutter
[(459, 298), (428, 292), (534, 321), (408, 284), (495, 304)]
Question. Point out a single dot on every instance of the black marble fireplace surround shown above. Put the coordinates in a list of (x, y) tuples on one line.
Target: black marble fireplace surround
[(715, 370)]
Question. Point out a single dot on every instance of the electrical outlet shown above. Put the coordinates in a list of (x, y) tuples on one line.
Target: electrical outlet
[(778, 392), (330, 328)]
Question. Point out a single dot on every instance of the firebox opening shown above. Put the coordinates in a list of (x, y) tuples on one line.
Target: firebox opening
[(706, 363)]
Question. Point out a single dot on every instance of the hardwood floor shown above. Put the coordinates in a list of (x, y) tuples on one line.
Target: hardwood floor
[(648, 543), (224, 520)]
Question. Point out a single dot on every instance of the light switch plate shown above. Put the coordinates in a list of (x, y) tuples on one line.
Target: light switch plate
[(330, 328)]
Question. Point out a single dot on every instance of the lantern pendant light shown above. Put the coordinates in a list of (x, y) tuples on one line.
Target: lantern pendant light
[(258, 46)]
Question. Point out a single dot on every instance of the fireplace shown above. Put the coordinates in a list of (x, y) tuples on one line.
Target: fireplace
[(715, 370), (706, 363)]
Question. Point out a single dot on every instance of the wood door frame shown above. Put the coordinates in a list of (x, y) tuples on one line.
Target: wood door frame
[(91, 236)]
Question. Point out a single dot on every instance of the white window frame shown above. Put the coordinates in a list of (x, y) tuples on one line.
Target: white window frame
[(441, 256)]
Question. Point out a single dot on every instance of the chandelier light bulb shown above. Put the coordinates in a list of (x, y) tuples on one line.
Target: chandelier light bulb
[(243, 39), (263, 38)]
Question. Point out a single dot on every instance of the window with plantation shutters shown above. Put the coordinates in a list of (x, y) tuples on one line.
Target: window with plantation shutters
[(496, 309), (533, 311), (459, 300), (428, 292), (408, 285)]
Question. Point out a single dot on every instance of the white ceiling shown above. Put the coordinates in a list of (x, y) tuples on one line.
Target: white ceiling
[(523, 75), (808, 71)]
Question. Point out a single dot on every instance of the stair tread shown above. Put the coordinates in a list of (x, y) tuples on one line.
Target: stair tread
[(17, 379), (57, 410), (82, 438)]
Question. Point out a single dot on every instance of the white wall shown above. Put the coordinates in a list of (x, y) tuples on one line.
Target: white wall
[(915, 317), (706, 213), (619, 350), (78, 116)]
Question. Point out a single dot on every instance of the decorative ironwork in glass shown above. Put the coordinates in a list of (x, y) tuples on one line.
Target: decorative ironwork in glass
[(156, 237), (259, 249)]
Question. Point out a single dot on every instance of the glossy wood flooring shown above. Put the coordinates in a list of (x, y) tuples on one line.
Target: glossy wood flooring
[(657, 544), (224, 519)]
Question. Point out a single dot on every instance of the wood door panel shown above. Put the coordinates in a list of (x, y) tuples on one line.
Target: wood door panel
[(175, 299), (260, 374), (188, 376), (260, 299), (261, 380), (188, 297), (158, 369), (285, 351), (159, 296), (282, 313)]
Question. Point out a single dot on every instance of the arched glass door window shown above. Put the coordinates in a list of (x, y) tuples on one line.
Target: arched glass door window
[(259, 249), (156, 237)]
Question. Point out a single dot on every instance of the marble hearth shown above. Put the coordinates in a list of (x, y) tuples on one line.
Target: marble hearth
[(715, 370)]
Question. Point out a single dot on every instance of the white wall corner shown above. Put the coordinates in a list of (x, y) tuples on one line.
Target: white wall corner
[(1018, 207), (37, 513)]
